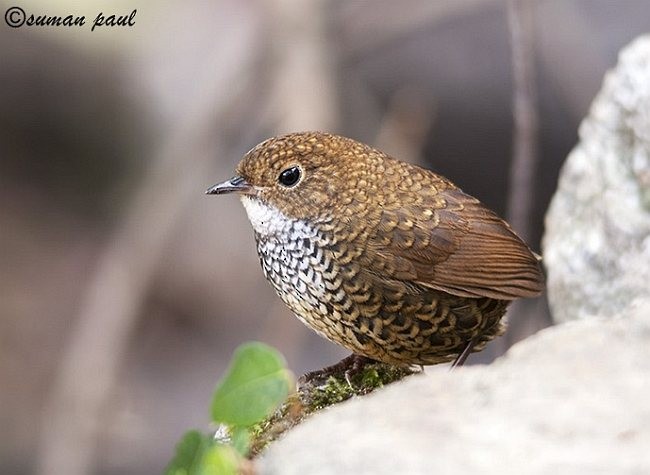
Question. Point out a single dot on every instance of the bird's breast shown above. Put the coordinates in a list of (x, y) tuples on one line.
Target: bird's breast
[(294, 259)]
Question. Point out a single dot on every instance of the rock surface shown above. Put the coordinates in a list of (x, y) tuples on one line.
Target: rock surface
[(572, 399), (597, 241)]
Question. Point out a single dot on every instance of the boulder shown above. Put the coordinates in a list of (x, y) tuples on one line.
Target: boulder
[(571, 399), (597, 240)]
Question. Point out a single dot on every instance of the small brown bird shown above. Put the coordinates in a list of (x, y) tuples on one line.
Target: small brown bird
[(385, 258)]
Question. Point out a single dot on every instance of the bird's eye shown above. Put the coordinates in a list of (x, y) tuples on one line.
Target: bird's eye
[(289, 177)]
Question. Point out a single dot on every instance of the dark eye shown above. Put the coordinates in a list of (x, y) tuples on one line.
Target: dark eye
[(290, 176)]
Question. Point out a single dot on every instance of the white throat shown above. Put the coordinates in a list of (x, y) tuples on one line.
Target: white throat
[(266, 220), (269, 221)]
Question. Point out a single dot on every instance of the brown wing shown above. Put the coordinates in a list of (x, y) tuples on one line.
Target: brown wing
[(449, 241)]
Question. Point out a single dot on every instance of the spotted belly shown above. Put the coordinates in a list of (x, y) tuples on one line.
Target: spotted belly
[(422, 327)]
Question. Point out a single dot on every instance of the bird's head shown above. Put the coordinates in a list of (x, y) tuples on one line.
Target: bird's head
[(303, 176)]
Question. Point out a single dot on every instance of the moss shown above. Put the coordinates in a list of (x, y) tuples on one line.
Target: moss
[(371, 378), (314, 395), (284, 418), (332, 392)]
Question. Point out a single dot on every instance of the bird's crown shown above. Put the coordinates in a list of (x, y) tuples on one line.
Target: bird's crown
[(307, 174)]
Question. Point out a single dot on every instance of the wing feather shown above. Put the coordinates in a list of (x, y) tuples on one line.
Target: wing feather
[(456, 245)]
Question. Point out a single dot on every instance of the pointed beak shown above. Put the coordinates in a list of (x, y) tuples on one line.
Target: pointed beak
[(235, 185)]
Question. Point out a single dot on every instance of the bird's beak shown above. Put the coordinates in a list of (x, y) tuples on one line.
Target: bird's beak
[(236, 184)]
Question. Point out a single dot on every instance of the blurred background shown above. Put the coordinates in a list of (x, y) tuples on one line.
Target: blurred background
[(124, 289)]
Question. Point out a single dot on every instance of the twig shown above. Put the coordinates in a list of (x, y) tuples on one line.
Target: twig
[(525, 317), (525, 139)]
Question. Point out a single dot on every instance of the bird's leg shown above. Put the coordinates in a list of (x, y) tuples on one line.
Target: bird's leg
[(358, 363), (460, 359), (349, 365)]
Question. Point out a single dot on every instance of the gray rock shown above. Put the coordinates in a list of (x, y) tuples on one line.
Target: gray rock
[(597, 241), (572, 399)]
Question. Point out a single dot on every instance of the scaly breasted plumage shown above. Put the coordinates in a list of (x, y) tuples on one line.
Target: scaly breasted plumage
[(385, 258)]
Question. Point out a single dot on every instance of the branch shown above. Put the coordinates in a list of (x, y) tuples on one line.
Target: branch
[(525, 134)]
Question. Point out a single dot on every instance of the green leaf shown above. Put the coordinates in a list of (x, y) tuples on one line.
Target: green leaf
[(220, 460), (240, 439), (197, 454), (256, 383), (189, 454)]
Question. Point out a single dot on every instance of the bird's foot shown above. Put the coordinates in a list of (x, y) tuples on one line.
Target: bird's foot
[(349, 366)]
